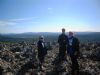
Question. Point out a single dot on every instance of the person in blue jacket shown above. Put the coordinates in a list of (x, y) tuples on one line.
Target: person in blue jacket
[(42, 51), (73, 51)]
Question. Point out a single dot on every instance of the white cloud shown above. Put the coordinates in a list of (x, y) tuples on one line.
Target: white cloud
[(34, 22), (49, 8), (5, 23), (23, 19), (16, 21)]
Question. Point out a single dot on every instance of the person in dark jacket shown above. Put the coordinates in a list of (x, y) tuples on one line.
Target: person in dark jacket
[(73, 51), (41, 51), (62, 40)]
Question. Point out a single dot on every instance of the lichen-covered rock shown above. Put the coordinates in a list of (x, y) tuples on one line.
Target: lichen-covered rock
[(24, 59)]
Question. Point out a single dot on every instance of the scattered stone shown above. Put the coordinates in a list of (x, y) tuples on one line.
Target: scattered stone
[(21, 59)]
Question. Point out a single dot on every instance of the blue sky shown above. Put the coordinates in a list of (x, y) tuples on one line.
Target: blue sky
[(18, 16)]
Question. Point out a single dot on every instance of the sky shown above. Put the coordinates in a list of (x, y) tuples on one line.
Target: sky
[(18, 16)]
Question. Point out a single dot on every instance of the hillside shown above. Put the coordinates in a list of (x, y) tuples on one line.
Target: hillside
[(10, 39), (14, 61), (52, 36)]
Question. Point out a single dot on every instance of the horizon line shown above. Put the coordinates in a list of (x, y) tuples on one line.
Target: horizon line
[(50, 32)]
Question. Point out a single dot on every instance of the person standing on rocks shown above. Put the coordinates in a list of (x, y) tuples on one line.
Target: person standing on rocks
[(73, 52), (62, 40), (42, 51)]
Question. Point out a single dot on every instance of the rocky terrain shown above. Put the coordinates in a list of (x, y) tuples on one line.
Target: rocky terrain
[(21, 59)]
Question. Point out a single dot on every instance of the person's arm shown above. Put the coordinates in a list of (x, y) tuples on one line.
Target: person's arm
[(77, 52), (38, 45), (39, 48), (67, 41), (58, 39), (78, 44)]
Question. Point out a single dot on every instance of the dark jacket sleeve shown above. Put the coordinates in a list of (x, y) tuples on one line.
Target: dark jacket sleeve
[(40, 48), (76, 44), (59, 39)]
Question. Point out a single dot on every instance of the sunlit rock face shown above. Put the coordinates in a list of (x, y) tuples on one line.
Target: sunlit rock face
[(21, 59)]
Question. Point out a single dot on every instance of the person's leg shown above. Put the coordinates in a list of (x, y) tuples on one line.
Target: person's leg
[(41, 62), (1, 70), (62, 53), (72, 66), (75, 65)]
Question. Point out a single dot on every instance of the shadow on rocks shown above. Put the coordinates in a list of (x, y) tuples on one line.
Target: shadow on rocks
[(85, 73)]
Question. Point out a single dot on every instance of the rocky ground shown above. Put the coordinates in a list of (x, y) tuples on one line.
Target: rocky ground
[(14, 56)]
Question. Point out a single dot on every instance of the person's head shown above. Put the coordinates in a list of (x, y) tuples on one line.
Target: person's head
[(41, 38), (63, 30), (71, 34)]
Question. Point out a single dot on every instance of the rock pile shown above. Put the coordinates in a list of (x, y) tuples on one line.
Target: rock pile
[(21, 59)]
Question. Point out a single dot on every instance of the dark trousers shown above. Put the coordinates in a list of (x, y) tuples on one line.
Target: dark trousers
[(62, 53), (41, 60), (75, 65), (1, 70)]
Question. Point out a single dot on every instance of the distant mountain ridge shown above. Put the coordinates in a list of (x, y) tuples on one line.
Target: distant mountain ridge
[(49, 36), (32, 34), (9, 39), (29, 34)]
